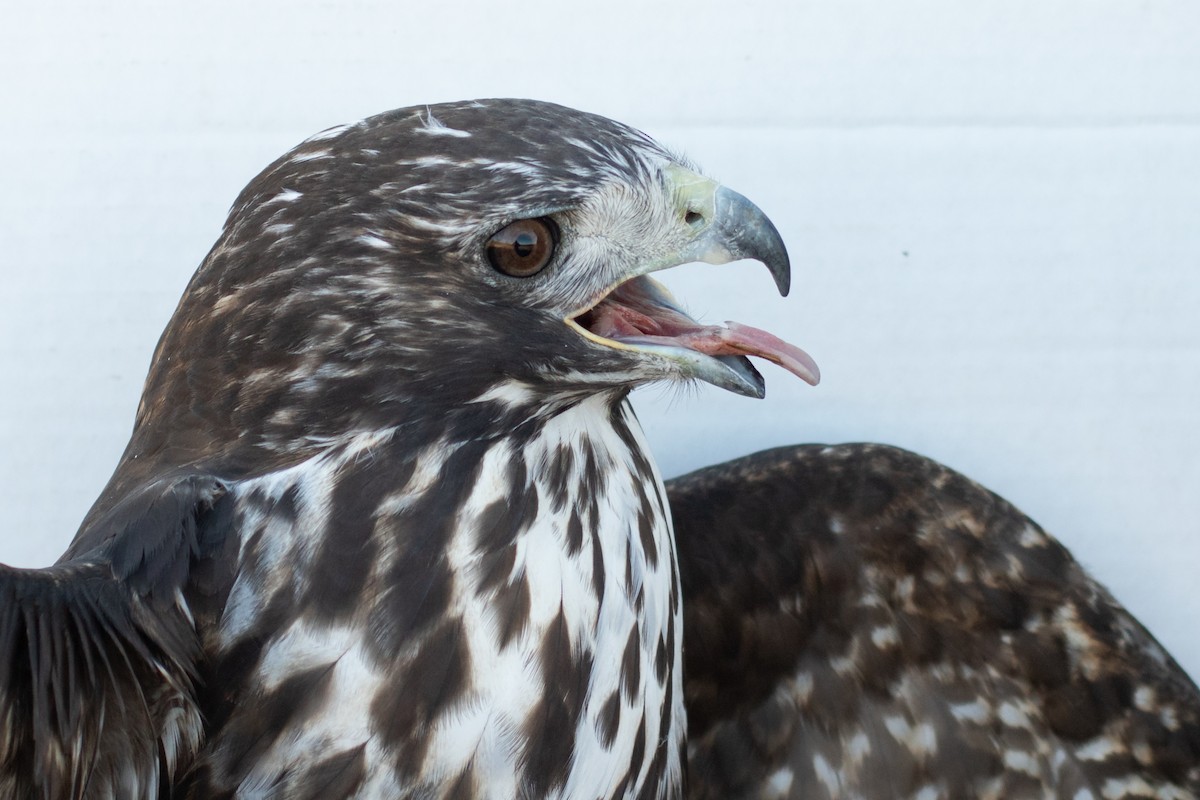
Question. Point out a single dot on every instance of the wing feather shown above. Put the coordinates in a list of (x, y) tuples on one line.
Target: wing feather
[(97, 653), (864, 622)]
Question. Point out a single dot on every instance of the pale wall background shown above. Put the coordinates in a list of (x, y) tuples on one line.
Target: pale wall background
[(993, 209)]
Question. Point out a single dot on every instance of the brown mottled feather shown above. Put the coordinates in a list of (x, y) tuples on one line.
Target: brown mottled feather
[(864, 622)]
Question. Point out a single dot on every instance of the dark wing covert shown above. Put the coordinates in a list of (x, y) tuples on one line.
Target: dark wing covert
[(864, 622), (97, 652)]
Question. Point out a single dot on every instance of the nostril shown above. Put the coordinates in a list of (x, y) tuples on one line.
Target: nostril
[(693, 218)]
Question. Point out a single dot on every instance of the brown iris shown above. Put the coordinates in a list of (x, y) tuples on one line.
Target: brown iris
[(523, 248)]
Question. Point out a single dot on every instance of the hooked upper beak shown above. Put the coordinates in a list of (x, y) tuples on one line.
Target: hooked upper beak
[(639, 314)]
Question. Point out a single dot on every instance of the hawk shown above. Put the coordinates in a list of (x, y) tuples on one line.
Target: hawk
[(386, 527)]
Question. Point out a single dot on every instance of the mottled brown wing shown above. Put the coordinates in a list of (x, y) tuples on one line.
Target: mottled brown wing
[(863, 622)]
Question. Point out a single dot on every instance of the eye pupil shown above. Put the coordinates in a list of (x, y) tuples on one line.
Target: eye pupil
[(523, 248), (524, 244)]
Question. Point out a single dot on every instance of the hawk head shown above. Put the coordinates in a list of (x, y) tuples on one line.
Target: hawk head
[(396, 269)]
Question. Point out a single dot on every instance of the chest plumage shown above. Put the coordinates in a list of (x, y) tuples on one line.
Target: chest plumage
[(496, 614)]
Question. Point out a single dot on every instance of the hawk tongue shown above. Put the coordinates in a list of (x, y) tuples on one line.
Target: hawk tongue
[(641, 311), (736, 339)]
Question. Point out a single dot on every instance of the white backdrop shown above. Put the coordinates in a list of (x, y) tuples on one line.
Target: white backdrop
[(993, 210)]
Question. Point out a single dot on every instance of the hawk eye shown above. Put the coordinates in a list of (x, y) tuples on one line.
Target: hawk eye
[(523, 248)]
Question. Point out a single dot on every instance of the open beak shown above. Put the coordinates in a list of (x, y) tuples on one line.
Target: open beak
[(639, 314)]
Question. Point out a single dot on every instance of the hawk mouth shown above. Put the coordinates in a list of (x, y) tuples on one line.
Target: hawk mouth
[(641, 315)]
